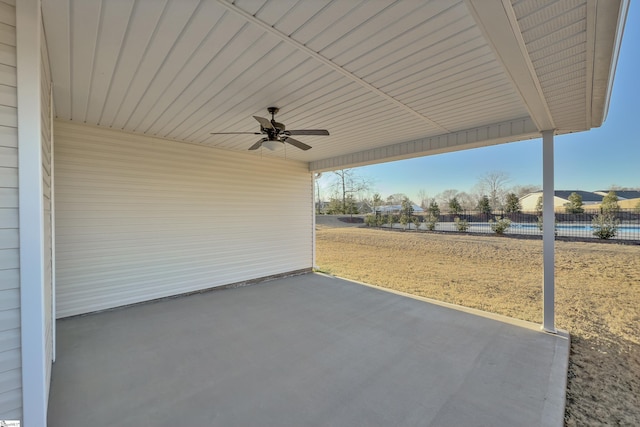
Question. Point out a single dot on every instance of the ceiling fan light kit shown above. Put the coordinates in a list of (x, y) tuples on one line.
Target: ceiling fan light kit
[(271, 145), (275, 133)]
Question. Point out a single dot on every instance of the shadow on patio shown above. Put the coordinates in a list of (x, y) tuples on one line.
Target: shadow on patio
[(307, 350)]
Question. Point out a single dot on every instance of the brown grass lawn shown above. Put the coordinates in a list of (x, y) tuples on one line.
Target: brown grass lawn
[(597, 298)]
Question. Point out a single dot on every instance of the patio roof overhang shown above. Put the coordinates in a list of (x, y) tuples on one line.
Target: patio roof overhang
[(390, 80)]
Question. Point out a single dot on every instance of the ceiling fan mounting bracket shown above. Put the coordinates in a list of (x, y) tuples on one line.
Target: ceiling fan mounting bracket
[(273, 110)]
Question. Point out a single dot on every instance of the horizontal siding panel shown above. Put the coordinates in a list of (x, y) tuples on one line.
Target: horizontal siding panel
[(8, 137), (9, 239), (8, 197), (8, 96), (8, 218), (8, 116), (8, 75), (7, 34), (10, 354), (11, 405), (139, 218), (8, 178), (9, 259), (10, 339), (8, 158), (9, 319), (10, 379), (9, 360), (9, 299), (7, 14), (7, 55)]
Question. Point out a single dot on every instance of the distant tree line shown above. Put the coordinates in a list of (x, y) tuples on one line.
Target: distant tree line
[(351, 193)]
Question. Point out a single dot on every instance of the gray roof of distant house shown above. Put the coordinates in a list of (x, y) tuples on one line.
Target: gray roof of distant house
[(587, 196), (625, 194)]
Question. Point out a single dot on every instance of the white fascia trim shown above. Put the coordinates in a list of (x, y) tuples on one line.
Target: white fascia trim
[(497, 133), (34, 388), (619, 32)]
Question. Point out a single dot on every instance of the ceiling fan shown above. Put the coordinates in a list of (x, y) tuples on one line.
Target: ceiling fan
[(275, 133)]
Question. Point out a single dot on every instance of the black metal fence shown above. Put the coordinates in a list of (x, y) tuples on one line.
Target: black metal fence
[(621, 224)]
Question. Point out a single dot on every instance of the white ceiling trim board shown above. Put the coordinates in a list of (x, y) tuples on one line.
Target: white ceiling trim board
[(509, 131), (497, 21)]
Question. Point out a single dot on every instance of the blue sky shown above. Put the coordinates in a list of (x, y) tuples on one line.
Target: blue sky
[(593, 160)]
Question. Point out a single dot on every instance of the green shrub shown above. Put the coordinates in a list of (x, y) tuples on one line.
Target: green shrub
[(416, 222), (461, 224), (434, 209), (431, 222), (610, 203), (539, 206), (404, 220), (500, 225), (605, 225), (370, 220), (380, 220), (454, 206), (512, 203), (484, 206), (574, 206)]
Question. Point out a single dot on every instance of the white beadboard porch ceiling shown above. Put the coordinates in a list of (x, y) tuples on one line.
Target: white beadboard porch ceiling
[(388, 79)]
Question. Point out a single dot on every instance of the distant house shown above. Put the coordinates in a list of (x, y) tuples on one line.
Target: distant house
[(561, 197), (363, 207), (622, 194), (397, 208)]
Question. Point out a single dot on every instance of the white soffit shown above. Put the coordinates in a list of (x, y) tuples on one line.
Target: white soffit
[(378, 74)]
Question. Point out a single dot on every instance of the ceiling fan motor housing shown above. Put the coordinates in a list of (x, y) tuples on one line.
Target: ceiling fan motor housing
[(279, 127)]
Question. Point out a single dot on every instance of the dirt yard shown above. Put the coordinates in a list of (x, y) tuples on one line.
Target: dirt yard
[(597, 298)]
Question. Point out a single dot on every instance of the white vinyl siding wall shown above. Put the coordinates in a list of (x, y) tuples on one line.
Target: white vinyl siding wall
[(10, 356), (139, 218)]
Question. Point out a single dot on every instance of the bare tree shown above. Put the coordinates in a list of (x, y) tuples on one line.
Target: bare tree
[(376, 202), (523, 190), (467, 201), (446, 196), (423, 198), (493, 184), (396, 199), (348, 184), (318, 198)]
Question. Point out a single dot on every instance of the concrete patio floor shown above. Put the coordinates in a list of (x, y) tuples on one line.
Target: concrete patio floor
[(308, 350)]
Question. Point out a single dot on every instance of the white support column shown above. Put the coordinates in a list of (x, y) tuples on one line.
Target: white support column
[(313, 222), (548, 232), (32, 300)]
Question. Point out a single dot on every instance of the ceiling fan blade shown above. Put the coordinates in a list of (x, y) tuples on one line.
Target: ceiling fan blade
[(296, 143), (235, 133), (257, 144), (266, 124), (308, 132)]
